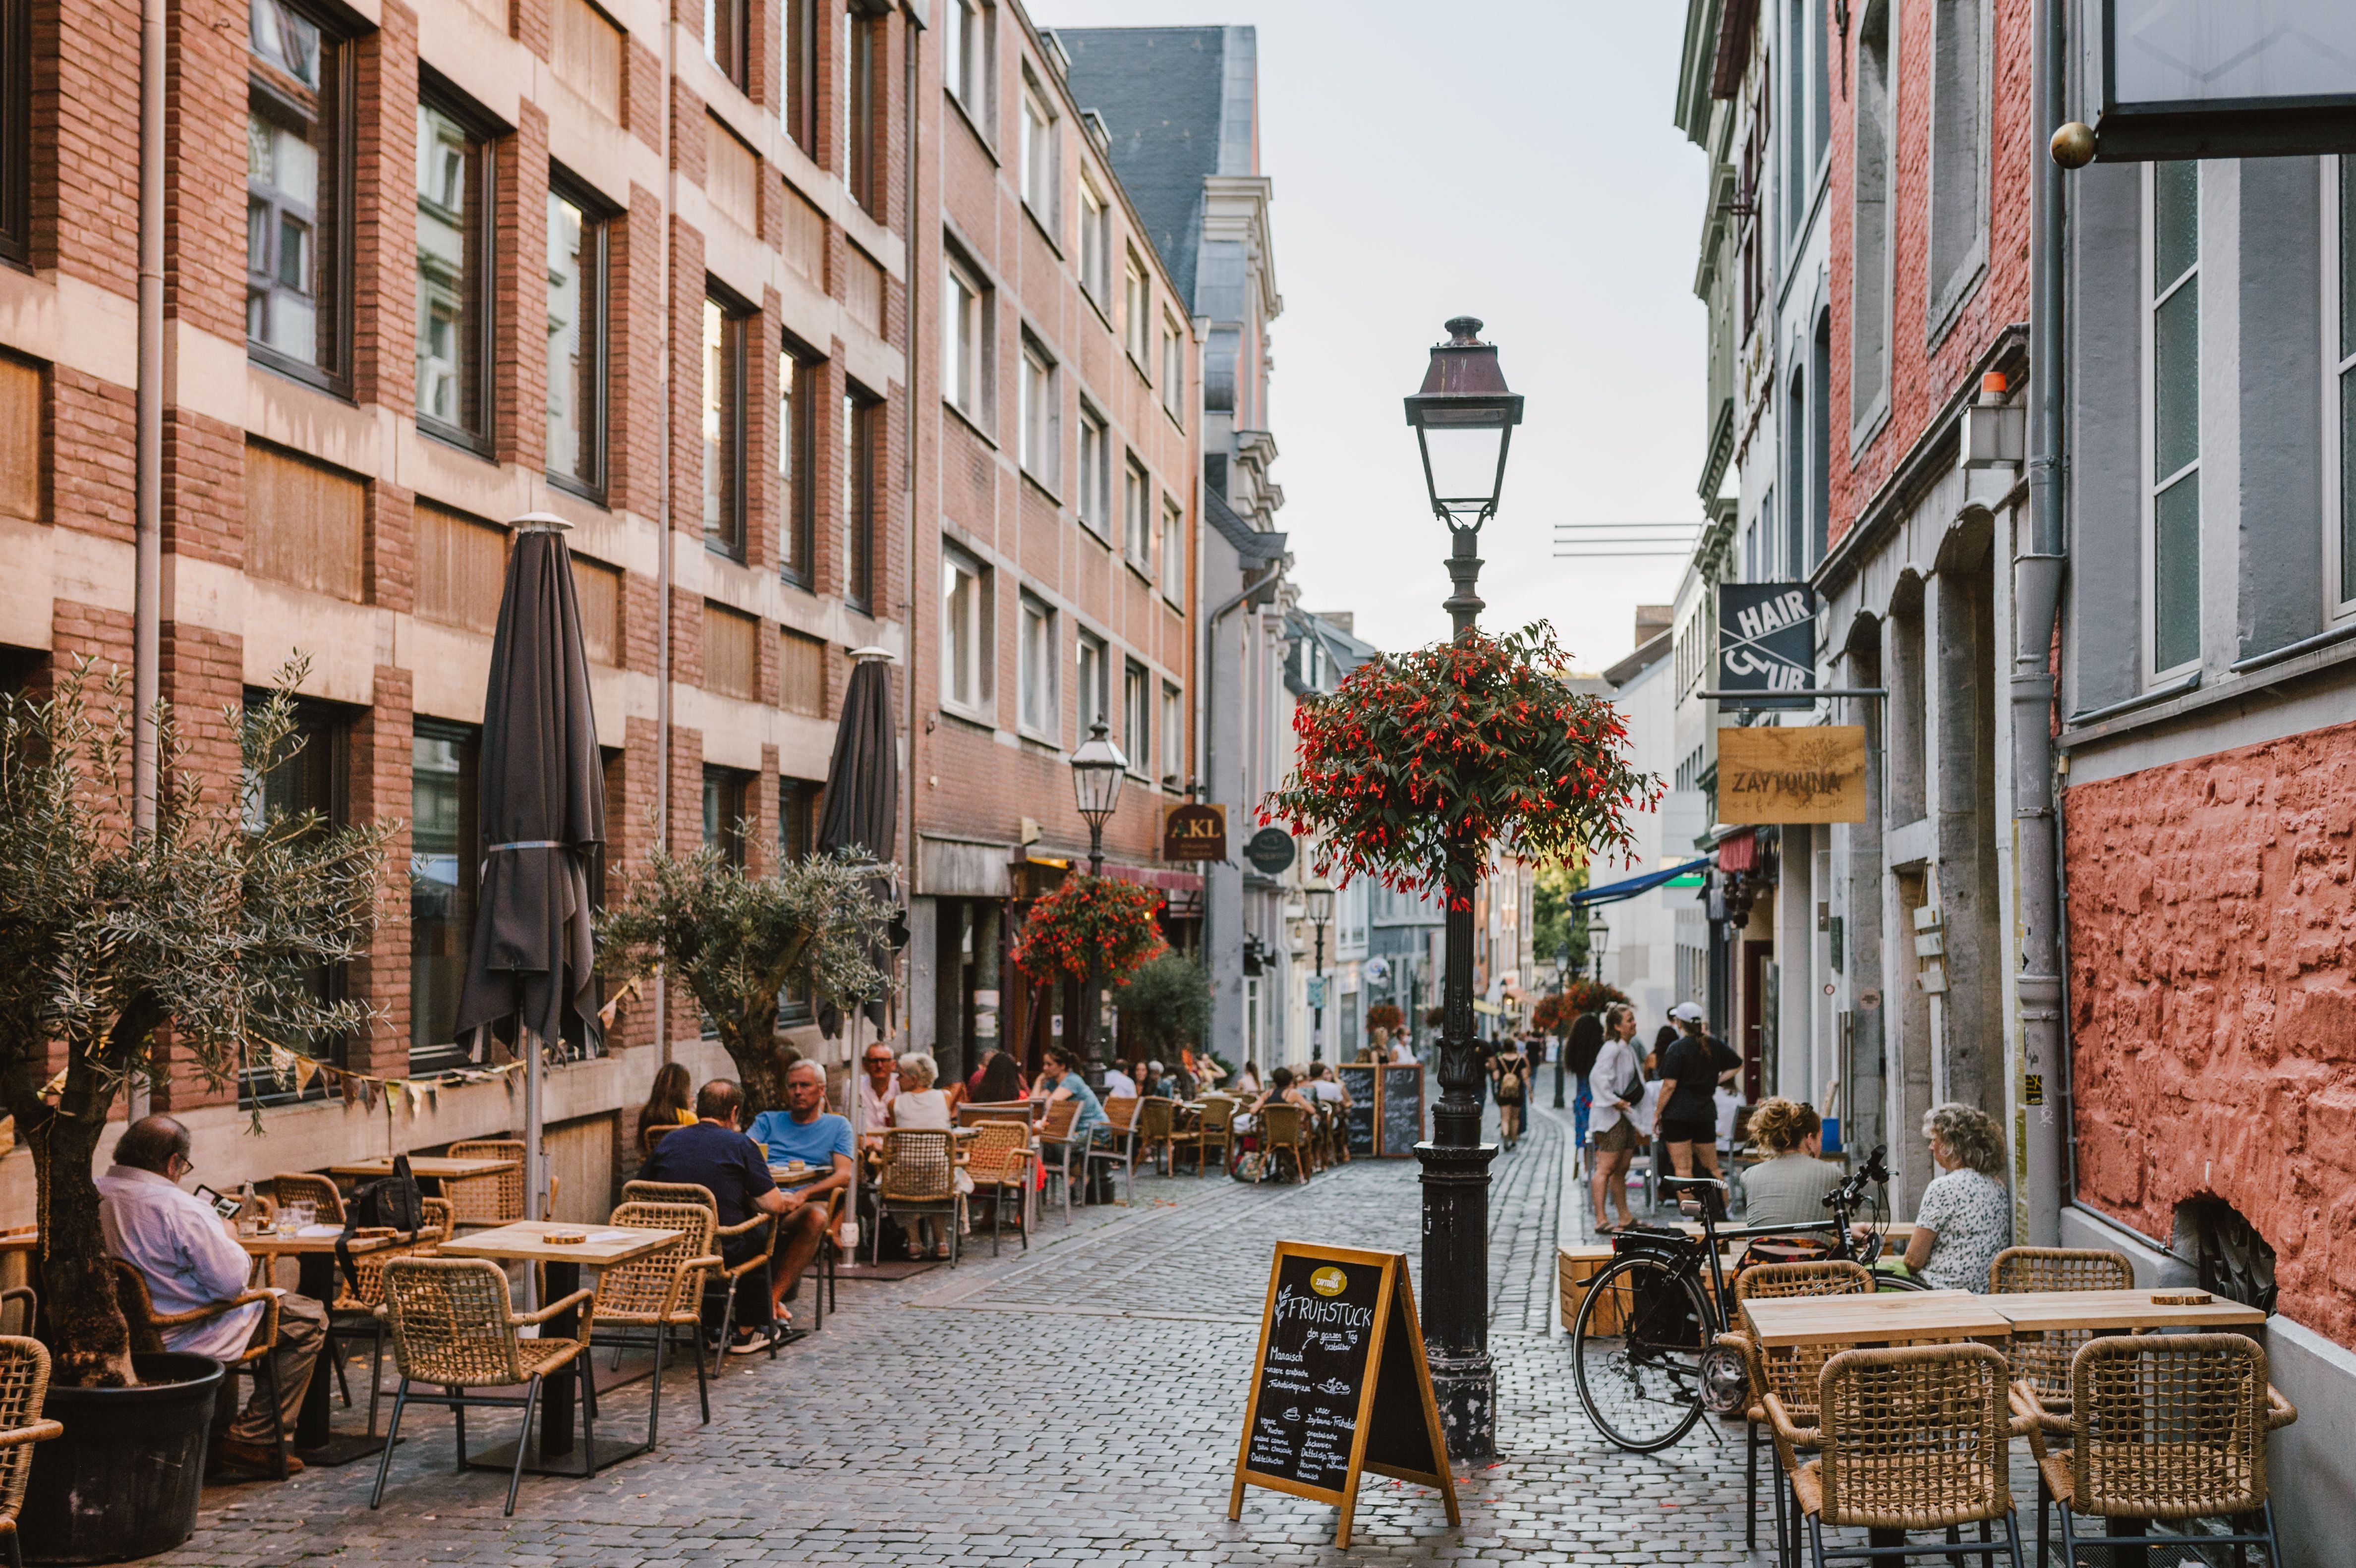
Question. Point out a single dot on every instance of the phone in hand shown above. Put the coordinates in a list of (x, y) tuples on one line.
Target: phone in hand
[(224, 1206)]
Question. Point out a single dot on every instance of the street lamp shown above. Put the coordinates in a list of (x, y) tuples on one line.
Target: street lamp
[(1096, 769), (1562, 988), (1463, 417), (1598, 937), (1321, 910)]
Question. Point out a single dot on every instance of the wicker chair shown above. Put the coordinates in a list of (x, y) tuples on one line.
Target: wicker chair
[(1157, 1134), (1908, 1439), (2162, 1426), (454, 1328), (919, 1178), (1284, 1129), (998, 1157), (1218, 1127), (493, 1200), (661, 1292), (728, 1277), (2042, 1359), (1791, 1374), (1055, 1139), (147, 1326), (320, 1191), (973, 1113), (23, 1383), (20, 1310)]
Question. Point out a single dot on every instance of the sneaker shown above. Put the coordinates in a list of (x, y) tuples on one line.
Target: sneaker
[(749, 1342)]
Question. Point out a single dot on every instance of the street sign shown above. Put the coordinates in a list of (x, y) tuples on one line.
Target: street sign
[(1339, 1385), (1767, 642), (1813, 772), (1316, 991), (1192, 831), (1270, 851)]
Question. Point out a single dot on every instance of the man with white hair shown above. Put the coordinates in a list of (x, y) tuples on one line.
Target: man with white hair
[(1119, 1084)]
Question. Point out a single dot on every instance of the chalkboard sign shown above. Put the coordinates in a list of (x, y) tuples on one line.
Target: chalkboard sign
[(1339, 1385), (1358, 1121), (1402, 1109)]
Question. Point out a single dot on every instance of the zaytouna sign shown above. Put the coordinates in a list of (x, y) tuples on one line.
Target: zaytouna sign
[(1814, 774), (1767, 642)]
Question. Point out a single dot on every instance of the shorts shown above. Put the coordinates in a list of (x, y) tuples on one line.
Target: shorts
[(1619, 1137), (1690, 1130)]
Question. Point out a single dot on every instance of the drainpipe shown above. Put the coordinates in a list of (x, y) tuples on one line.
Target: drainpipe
[(2041, 1070), (663, 509), (1207, 685), (147, 596), (917, 22)]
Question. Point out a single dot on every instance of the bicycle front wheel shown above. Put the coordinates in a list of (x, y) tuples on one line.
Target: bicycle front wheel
[(1636, 1350)]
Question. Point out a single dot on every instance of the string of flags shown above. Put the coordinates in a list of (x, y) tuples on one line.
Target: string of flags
[(366, 1088)]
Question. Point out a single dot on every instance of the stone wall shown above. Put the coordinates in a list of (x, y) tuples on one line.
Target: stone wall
[(2212, 997)]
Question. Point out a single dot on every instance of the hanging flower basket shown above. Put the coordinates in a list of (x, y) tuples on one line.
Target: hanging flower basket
[(1425, 760), (1102, 917), (1589, 996)]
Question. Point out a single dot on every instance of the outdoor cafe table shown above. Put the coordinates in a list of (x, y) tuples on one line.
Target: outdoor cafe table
[(425, 1167), (2117, 1311), (313, 1248), (1891, 1317), (526, 1241)]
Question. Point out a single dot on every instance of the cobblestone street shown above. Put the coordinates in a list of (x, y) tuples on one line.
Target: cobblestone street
[(1076, 1404)]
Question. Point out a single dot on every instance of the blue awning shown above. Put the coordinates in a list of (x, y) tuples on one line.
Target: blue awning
[(1616, 892)]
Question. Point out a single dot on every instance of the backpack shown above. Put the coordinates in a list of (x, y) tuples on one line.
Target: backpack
[(1509, 1080), (394, 1201)]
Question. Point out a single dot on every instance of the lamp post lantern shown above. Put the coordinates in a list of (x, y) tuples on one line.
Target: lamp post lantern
[(1096, 769), (1463, 417), (1321, 910), (1562, 988), (1598, 937)]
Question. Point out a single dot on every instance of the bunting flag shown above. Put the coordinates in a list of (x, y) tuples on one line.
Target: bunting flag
[(305, 1070), (56, 1085)]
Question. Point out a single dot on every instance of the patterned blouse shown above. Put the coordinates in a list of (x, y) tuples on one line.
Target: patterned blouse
[(1973, 1219)]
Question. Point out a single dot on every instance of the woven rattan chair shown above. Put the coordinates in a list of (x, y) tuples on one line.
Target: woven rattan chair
[(2042, 1359), (729, 1277), (1908, 1439), (1056, 1147), (23, 1383), (493, 1200), (919, 1178), (1218, 1127), (998, 1157), (2162, 1427), (1157, 1132), (20, 1310), (454, 1329), (659, 1293), (973, 1113), (1791, 1373), (1284, 1129), (320, 1191), (147, 1326)]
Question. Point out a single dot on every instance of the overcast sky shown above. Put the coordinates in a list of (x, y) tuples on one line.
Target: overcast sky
[(1512, 161)]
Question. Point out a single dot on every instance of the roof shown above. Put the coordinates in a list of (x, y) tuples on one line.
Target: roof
[(1179, 106), (1645, 657), (1252, 546)]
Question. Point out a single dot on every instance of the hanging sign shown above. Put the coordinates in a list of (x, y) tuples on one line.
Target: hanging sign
[(2169, 81), (1339, 1385), (1270, 851), (1194, 831), (1813, 772), (1767, 642)]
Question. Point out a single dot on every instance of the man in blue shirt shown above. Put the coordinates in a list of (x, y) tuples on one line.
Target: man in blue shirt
[(714, 1156), (804, 1130)]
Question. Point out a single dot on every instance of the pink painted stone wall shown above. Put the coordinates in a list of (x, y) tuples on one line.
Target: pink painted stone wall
[(2212, 1002)]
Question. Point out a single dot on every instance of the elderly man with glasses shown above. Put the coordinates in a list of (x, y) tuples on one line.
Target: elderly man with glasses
[(189, 1259)]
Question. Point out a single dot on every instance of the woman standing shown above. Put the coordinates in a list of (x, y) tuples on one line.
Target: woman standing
[(1617, 1084), (1509, 1079), (1687, 1119)]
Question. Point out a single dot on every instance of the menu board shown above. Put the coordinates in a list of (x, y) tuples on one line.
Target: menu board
[(1358, 1121), (1401, 1110), (1340, 1384)]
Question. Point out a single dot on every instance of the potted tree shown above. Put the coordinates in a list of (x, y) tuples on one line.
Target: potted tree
[(214, 922), (737, 941)]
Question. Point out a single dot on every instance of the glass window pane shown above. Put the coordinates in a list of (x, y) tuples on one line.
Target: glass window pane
[(2348, 484), (446, 264), (571, 366), (2175, 573), (2176, 380), (2346, 256), (2175, 222)]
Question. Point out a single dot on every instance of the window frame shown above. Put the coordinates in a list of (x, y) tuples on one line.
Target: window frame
[(1174, 368), (863, 420), (327, 727), (481, 288), (966, 27), (1137, 516), (1038, 154), (1092, 488), (1172, 563), (735, 63), (2338, 335), (595, 331), (727, 835), (336, 114), (1866, 420), (797, 107), (1038, 408), (1137, 718), (727, 535), (1087, 706), (864, 109), (1137, 312), (1096, 242), (800, 384), (1039, 688), (1174, 733), (958, 561), (430, 1055), (17, 131), (1946, 295), (965, 358), (2151, 485)]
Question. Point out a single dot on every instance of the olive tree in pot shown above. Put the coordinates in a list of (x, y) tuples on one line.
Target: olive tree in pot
[(215, 925)]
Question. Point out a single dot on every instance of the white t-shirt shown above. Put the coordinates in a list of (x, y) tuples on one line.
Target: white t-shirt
[(1119, 1083), (1324, 1089), (922, 1108), (1402, 1053)]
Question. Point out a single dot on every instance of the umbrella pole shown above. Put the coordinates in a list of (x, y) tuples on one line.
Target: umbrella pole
[(535, 1162), (858, 1148)]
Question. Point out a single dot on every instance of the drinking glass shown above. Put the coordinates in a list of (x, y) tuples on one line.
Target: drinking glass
[(305, 1215), (285, 1219)]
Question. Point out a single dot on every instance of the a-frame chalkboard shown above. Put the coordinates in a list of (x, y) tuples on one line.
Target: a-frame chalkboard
[(1339, 1385)]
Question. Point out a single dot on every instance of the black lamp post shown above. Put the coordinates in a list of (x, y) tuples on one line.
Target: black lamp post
[(1598, 937), (1562, 988), (1463, 418), (1321, 910), (1096, 769)]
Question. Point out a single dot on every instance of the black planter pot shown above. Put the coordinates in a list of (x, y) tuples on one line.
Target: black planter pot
[(125, 1480)]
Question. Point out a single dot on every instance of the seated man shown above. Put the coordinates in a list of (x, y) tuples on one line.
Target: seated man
[(714, 1156), (189, 1257), (804, 1130)]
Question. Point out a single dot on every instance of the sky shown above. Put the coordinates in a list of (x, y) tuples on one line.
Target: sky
[(1514, 160)]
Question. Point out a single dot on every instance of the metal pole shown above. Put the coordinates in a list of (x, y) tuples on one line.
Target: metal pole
[(1317, 1026), (1091, 1001), (1455, 1161)]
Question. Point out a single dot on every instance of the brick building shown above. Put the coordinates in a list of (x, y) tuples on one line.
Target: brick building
[(646, 272)]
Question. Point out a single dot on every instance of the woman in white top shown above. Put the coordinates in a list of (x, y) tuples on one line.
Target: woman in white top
[(1965, 1217), (1612, 1120), (920, 1104)]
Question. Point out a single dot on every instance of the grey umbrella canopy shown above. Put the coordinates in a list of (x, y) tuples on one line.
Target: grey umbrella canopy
[(543, 816), (863, 781)]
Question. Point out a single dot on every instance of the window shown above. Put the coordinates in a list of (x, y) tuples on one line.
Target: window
[(725, 802), (965, 632), (862, 107), (731, 175), (1137, 718), (724, 428), (1038, 414), (455, 266), (297, 155), (1038, 668), (730, 652), (727, 29), (1173, 551), (1136, 309), (2339, 359), (1035, 160), (446, 853), (1751, 182), (1958, 171), (585, 55), (799, 111), (1877, 88), (1820, 440), (1094, 499), (1173, 367), (576, 343), (310, 780), (801, 673), (1173, 736), (1096, 242), (1136, 491), (2173, 414), (963, 53), (1095, 673), (798, 801), (863, 420), (962, 340), (1803, 52), (798, 390), (17, 131)]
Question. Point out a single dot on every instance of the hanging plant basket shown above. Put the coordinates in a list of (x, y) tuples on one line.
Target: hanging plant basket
[(1100, 917)]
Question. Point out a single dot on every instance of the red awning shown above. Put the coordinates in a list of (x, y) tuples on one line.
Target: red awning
[(1739, 852)]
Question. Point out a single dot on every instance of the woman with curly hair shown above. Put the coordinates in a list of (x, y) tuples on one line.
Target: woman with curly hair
[(1965, 1217), (1788, 1187)]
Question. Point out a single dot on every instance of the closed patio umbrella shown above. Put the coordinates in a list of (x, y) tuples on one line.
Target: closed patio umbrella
[(860, 817), (543, 816)]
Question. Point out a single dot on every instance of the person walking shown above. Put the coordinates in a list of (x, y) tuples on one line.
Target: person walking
[(1618, 1078), (1691, 1070), (1509, 1078)]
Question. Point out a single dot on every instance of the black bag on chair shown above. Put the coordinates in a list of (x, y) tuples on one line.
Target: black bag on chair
[(394, 1201)]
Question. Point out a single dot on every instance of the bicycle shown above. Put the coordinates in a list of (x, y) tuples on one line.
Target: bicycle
[(1644, 1345)]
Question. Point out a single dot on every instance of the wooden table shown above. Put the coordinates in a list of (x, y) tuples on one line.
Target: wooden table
[(425, 1167), (2116, 1311), (1891, 1317), (525, 1241), (314, 1252)]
